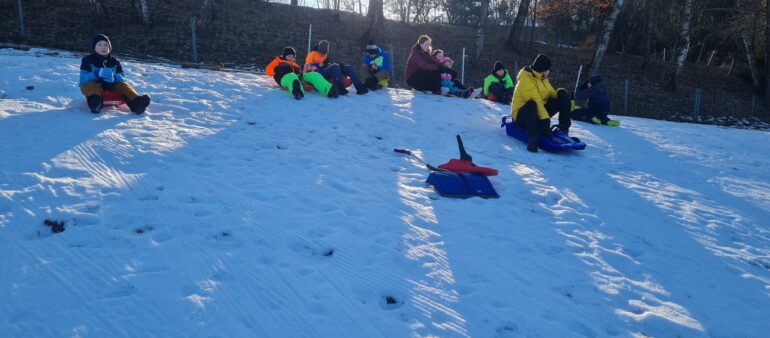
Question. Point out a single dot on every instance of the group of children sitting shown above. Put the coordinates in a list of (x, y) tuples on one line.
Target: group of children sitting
[(327, 77), (533, 100)]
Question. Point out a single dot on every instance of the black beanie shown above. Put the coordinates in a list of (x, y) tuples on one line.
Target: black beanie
[(289, 50), (541, 63), (100, 37), (498, 65)]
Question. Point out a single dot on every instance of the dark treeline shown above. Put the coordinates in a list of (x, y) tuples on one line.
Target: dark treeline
[(727, 33)]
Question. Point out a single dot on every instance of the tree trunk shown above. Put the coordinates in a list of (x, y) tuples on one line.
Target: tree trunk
[(145, 12), (408, 11), (514, 36), (294, 2), (418, 10), (745, 36), (767, 53), (681, 49), (375, 15), (647, 35), (203, 17), (534, 24), (97, 7), (601, 45), (481, 27)]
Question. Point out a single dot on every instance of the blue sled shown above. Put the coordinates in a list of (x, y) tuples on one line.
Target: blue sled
[(558, 141)]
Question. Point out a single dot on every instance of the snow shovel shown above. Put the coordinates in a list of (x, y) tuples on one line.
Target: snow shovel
[(465, 163)]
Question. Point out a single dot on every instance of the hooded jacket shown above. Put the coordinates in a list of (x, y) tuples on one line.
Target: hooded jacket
[(419, 59), (382, 60), (531, 85), (596, 93), (277, 70)]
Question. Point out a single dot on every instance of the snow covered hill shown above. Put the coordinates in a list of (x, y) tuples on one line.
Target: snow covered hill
[(231, 210)]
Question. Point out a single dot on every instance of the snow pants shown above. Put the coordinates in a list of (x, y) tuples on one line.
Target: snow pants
[(500, 93), (96, 88), (599, 110), (528, 118)]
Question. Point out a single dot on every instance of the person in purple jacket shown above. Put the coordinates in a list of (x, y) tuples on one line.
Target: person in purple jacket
[(422, 69)]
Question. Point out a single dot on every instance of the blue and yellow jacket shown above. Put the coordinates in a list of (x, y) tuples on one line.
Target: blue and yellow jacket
[(93, 63), (381, 60)]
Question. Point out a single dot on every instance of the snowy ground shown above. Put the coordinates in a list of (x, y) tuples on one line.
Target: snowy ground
[(231, 210)]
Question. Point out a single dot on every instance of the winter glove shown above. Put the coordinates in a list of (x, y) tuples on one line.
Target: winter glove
[(107, 75)]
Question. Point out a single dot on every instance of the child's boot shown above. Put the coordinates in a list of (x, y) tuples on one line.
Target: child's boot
[(371, 83), (139, 104), (95, 103), (361, 89), (341, 90), (333, 94), (532, 143), (296, 90)]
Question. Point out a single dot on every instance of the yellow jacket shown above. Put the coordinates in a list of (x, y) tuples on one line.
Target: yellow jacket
[(531, 85)]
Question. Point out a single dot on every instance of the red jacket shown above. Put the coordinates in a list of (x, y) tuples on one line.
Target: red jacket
[(419, 59)]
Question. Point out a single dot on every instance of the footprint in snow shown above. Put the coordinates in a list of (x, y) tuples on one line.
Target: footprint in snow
[(144, 229)]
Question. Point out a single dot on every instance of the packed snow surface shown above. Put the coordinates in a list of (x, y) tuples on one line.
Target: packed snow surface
[(231, 210)]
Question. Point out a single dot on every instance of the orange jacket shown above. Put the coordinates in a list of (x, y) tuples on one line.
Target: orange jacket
[(270, 70), (314, 59)]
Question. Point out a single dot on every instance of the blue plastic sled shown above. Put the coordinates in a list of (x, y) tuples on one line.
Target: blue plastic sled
[(462, 185), (558, 141)]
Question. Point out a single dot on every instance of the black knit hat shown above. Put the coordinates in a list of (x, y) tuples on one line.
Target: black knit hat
[(498, 65), (100, 37), (289, 50), (541, 63)]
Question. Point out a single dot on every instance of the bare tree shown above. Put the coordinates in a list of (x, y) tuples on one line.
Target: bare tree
[(767, 52), (683, 44), (145, 12), (206, 14), (745, 36), (481, 27), (97, 7), (648, 28), (533, 25), (376, 16), (514, 36), (419, 9), (601, 44)]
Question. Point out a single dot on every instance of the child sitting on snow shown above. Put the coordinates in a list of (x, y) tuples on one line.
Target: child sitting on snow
[(595, 92), (376, 68), (450, 85), (100, 71), (288, 74), (498, 86)]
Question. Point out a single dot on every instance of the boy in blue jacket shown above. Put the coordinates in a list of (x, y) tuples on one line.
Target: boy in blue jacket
[(101, 71), (376, 69), (595, 92)]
